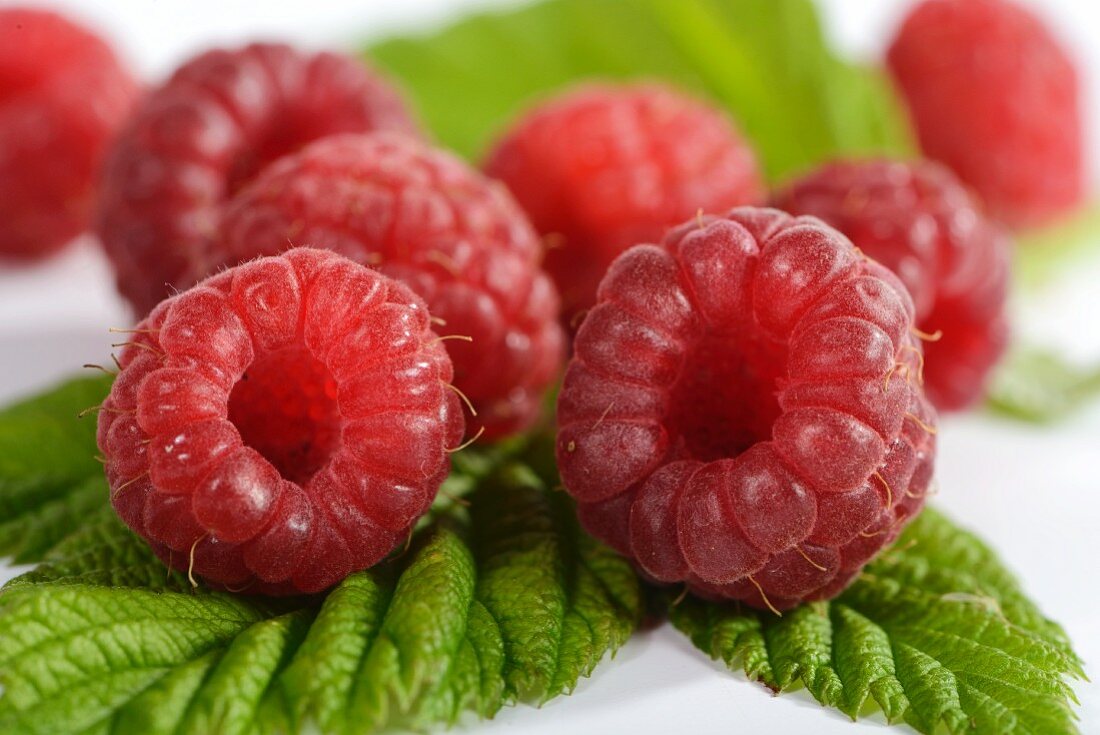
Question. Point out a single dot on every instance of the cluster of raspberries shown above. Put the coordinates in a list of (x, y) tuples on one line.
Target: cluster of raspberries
[(330, 306)]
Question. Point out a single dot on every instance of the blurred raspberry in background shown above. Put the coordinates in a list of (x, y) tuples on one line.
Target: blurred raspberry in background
[(600, 168), (995, 96), (63, 92)]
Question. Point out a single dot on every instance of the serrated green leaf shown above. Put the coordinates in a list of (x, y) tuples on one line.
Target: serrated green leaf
[(937, 556), (72, 655), (936, 633), (764, 60), (105, 553), (804, 651), (587, 599), (99, 638), (319, 682), (49, 477), (1040, 386)]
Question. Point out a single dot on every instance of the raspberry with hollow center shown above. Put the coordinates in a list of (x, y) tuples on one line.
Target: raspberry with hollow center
[(203, 134), (604, 167), (63, 93), (993, 95), (741, 411), (426, 218), (916, 219), (282, 424)]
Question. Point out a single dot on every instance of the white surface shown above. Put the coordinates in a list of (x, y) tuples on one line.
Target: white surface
[(1032, 493)]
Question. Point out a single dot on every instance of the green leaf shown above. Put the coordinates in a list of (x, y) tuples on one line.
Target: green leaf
[(49, 477), (936, 633), (1040, 386), (43, 434), (103, 552), (1042, 254), (509, 602), (764, 60), (588, 597)]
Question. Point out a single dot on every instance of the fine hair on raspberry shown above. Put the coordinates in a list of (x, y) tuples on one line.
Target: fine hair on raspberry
[(281, 424), (604, 166), (917, 219), (741, 412), (457, 238), (203, 134)]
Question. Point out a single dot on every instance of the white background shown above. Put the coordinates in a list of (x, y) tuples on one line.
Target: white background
[(1031, 492)]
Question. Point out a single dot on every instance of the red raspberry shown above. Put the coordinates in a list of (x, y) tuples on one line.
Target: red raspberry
[(281, 424), (426, 218), (917, 220), (63, 92), (207, 131), (995, 97), (738, 413), (605, 167)]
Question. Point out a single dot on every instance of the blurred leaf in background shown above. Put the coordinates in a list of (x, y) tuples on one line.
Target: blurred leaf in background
[(1043, 253), (1040, 386), (764, 60)]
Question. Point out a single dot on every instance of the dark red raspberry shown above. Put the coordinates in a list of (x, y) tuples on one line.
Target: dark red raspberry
[(604, 167), (995, 97), (206, 132), (422, 216), (917, 220), (741, 412), (63, 92), (281, 424)]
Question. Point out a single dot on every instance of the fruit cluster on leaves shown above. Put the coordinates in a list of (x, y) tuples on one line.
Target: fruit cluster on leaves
[(505, 601), (499, 598)]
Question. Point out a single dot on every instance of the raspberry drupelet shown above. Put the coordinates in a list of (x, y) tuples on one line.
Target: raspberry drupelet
[(203, 134), (63, 94), (281, 424), (742, 412), (994, 95), (455, 237), (604, 167), (919, 221)]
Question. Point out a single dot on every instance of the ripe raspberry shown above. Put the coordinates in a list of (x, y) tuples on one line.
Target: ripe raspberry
[(425, 218), (995, 97), (63, 92), (738, 413), (281, 424), (205, 133), (605, 167), (917, 220)]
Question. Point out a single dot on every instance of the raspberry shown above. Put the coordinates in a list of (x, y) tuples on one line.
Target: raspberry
[(425, 218), (739, 414), (995, 97), (605, 167), (916, 219), (281, 424), (63, 92), (205, 133)]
